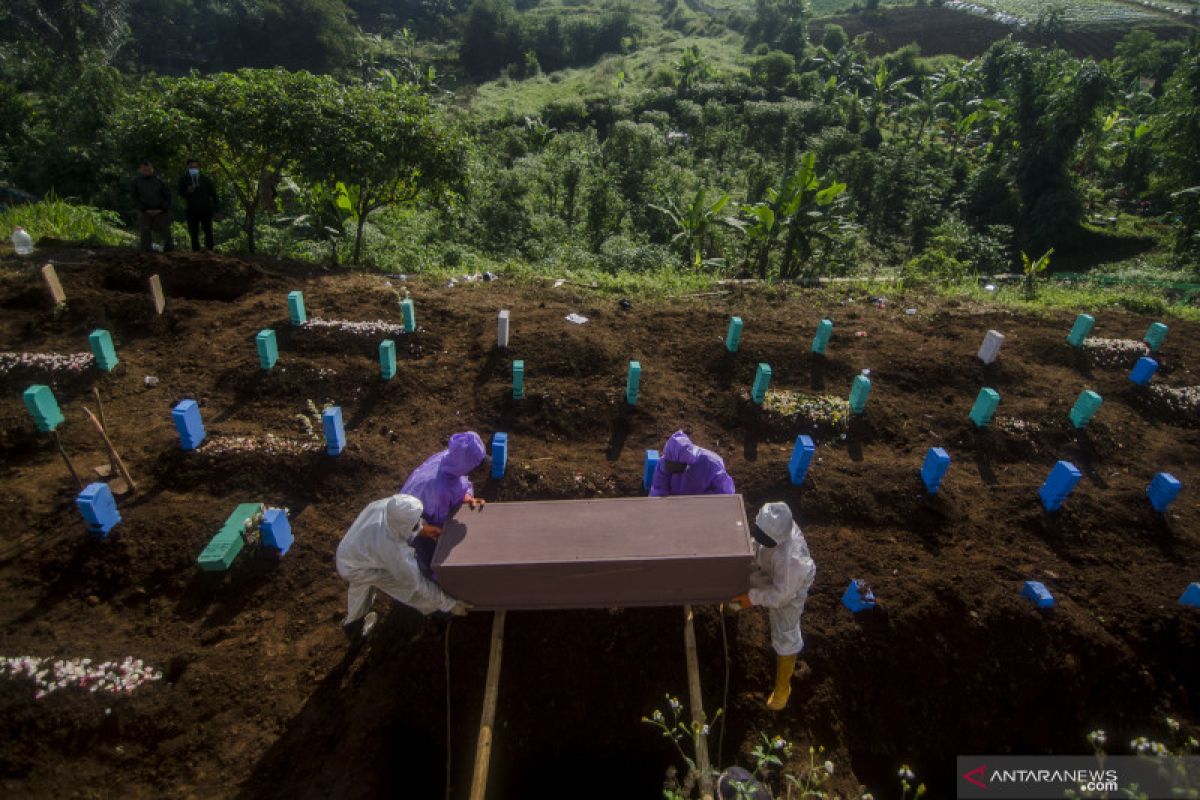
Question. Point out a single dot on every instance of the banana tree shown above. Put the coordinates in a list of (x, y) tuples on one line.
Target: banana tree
[(694, 223)]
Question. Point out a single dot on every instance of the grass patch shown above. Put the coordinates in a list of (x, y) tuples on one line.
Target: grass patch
[(66, 222)]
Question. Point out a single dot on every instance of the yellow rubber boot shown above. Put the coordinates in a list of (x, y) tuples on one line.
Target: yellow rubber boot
[(784, 667)]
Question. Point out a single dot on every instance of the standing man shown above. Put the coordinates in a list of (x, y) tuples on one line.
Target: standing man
[(442, 486), (200, 195), (377, 553), (687, 469), (152, 199), (782, 574)]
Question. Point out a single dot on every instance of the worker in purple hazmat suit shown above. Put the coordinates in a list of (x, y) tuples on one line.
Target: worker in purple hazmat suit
[(685, 468), (442, 486)]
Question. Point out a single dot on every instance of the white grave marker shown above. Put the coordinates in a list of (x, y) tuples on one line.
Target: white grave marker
[(502, 329), (156, 294), (990, 348), (53, 285)]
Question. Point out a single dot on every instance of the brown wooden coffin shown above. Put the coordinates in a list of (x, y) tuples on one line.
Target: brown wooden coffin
[(634, 551)]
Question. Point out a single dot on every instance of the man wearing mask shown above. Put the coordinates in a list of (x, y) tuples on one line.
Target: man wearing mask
[(152, 199), (202, 202)]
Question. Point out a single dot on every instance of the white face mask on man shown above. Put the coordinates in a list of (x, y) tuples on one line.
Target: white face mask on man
[(194, 172)]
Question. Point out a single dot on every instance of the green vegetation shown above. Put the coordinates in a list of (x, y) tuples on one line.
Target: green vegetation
[(645, 146), (64, 222)]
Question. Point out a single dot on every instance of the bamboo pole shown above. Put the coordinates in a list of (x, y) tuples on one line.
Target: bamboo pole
[(697, 701), (112, 467), (70, 467), (483, 751), (112, 451)]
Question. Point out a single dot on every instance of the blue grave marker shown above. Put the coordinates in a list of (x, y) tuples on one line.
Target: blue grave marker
[(632, 381), (186, 416), (98, 508), (802, 455), (651, 464), (859, 392), (275, 530), (335, 433), (1085, 408), (1038, 593), (499, 454), (1191, 596), (985, 407), (1155, 335), (824, 331), (1081, 329), (937, 461), (762, 379), (1163, 490), (1059, 485), (42, 406), (409, 314), (1143, 370)]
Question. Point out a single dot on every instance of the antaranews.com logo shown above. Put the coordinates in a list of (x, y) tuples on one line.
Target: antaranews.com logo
[(1036, 777)]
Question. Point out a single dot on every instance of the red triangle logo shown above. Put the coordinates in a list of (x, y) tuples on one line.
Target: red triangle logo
[(975, 776)]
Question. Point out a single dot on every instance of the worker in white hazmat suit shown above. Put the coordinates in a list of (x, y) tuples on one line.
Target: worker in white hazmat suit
[(780, 578), (377, 553)]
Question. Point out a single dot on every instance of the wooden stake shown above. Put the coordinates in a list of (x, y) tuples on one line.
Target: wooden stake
[(698, 720), (67, 461), (112, 451), (53, 285), (483, 750), (156, 294)]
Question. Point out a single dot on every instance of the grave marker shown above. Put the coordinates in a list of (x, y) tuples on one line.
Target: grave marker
[(103, 350), (499, 454), (222, 549), (296, 308), (762, 379), (335, 433), (42, 406), (1085, 408), (53, 285), (98, 508), (989, 351), (275, 530), (502, 328), (156, 295), (859, 391), (937, 461), (409, 313), (1059, 485), (632, 381), (1081, 329), (985, 407), (1191, 596), (1163, 490), (268, 350), (518, 380), (387, 359), (1038, 593), (802, 455), (824, 331), (1143, 370), (648, 468), (186, 416), (1155, 335), (733, 339)]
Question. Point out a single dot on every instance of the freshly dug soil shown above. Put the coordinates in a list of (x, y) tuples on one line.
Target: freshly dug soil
[(262, 698)]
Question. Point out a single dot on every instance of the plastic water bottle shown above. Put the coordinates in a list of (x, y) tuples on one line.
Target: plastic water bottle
[(22, 242)]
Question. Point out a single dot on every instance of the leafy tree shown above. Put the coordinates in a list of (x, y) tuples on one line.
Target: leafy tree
[(773, 69), (249, 127), (781, 24), (1177, 141), (73, 30), (694, 223), (1052, 101), (691, 69), (387, 146), (833, 38)]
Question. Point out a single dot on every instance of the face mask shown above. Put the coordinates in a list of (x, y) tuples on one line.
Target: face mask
[(195, 173)]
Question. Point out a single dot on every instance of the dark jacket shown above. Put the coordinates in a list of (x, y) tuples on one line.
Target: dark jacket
[(149, 192), (199, 194)]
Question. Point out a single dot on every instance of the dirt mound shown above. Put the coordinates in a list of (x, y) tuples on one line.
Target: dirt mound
[(262, 699)]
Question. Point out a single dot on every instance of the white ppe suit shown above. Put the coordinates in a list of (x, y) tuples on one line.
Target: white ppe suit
[(377, 553), (781, 577)]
